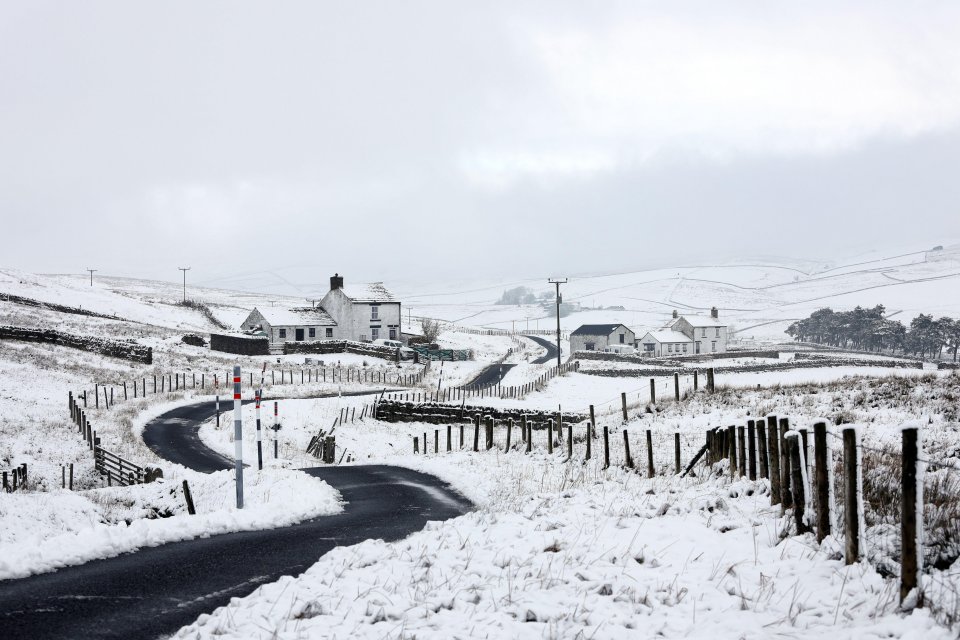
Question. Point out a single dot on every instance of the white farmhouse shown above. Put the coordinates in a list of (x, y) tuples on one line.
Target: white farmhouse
[(363, 312), (687, 334)]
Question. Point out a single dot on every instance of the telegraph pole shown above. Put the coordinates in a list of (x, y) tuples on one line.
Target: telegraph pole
[(558, 282), (91, 275), (184, 269)]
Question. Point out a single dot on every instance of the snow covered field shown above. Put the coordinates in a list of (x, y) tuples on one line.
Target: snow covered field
[(575, 550)]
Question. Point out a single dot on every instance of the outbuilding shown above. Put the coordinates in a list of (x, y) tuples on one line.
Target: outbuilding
[(597, 337)]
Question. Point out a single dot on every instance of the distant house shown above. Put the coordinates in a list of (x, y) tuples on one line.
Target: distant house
[(665, 342), (362, 312), (690, 334), (596, 337), (306, 324)]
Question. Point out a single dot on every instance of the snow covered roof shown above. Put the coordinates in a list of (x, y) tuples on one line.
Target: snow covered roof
[(704, 321), (369, 292), (667, 335), (596, 329), (279, 317)]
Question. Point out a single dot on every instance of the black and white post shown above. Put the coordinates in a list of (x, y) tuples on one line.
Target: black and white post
[(259, 444), (238, 435)]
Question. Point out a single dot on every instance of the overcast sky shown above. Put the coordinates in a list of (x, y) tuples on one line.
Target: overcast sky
[(396, 139)]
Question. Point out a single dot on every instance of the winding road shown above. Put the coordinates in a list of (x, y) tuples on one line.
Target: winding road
[(157, 590), (551, 348), (494, 374)]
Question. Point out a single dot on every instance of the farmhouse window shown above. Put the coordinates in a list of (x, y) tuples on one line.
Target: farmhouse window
[(670, 348), (282, 333), (713, 346), (704, 334), (375, 333), (684, 348), (393, 333), (374, 313), (622, 338), (313, 332), (589, 346), (329, 332), (718, 332)]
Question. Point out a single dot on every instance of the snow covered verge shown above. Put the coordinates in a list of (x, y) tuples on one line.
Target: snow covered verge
[(572, 551), (44, 532), (567, 550)]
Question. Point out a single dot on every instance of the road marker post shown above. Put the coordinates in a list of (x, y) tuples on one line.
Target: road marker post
[(259, 443), (216, 386), (238, 435), (276, 427)]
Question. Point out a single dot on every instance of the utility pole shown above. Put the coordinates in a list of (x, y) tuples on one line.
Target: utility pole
[(558, 282), (184, 269), (91, 275)]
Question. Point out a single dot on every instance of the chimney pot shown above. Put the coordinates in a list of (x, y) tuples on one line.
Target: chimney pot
[(714, 313), (675, 314), (336, 282)]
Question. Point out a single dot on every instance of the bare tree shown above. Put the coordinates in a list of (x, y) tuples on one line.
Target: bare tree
[(431, 329)]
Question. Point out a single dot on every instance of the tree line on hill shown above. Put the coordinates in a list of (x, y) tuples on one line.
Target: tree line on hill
[(869, 330)]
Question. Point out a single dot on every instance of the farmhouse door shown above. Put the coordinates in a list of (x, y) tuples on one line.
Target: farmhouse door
[(698, 346), (299, 335)]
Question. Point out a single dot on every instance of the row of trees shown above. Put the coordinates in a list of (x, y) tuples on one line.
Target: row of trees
[(869, 330)]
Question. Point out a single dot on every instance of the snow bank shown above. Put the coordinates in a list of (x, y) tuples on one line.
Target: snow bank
[(46, 532)]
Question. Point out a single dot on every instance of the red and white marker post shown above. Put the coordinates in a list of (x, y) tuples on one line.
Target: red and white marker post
[(275, 429), (216, 387)]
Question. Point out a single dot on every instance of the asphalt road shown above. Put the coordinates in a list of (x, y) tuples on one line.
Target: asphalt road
[(155, 591), (489, 376), (550, 346)]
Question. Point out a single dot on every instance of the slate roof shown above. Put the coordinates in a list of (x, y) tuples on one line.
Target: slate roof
[(369, 292), (597, 329), (667, 335), (306, 316), (704, 321)]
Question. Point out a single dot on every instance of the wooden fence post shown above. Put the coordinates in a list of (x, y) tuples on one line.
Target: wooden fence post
[(742, 453), (764, 454), (570, 442), (653, 391), (773, 444), (676, 451), (476, 433), (732, 449), (529, 429), (606, 447), (822, 471), (752, 449), (696, 381), (590, 429), (489, 433), (786, 496), (416, 444), (911, 504), (550, 436), (461, 436), (676, 386), (626, 450), (650, 471), (509, 433), (425, 445), (189, 499), (797, 487), (851, 495)]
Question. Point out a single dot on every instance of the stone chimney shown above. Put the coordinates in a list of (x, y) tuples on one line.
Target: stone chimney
[(675, 314), (336, 282), (714, 313)]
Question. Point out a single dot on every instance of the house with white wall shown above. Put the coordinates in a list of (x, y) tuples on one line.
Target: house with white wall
[(361, 312), (701, 334)]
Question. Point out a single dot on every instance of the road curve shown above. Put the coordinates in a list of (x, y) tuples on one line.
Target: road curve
[(157, 590), (551, 348)]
